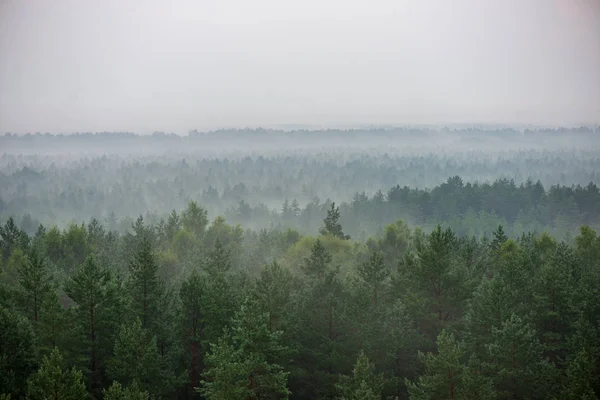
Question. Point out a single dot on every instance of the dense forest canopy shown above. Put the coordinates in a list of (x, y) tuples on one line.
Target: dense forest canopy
[(394, 263)]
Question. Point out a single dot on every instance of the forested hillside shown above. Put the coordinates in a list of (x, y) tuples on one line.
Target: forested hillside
[(322, 273)]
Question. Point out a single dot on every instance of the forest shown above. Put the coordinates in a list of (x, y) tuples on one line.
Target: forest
[(198, 268)]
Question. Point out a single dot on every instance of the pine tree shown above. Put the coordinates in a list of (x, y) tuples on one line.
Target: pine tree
[(580, 377), (173, 225), (137, 360), (332, 225), (54, 382), (443, 371), (192, 318), (11, 238), (94, 294), (241, 365), (324, 328), (219, 300), (118, 392), (273, 289), (145, 288), (374, 274), (364, 384), (35, 284), (316, 265), (447, 377), (499, 238), (17, 352), (195, 219), (516, 361), (434, 285)]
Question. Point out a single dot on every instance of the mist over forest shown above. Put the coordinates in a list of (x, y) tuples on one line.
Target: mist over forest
[(313, 200), (470, 179), (371, 263)]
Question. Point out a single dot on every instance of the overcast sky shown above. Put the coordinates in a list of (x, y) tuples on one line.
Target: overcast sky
[(112, 65)]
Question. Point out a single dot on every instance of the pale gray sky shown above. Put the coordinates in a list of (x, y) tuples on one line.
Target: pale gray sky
[(84, 65)]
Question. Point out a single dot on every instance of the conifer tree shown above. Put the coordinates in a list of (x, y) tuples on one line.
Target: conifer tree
[(516, 361), (17, 352), (374, 274), (195, 219), (117, 392), (242, 364), (192, 319), (35, 285), (137, 360), (364, 384), (273, 289), (144, 286), (447, 377), (332, 225), (316, 265), (97, 304), (219, 299), (53, 381)]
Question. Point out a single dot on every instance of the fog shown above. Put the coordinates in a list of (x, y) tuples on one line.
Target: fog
[(142, 66)]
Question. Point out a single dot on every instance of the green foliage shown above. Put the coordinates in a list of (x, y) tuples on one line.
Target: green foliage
[(242, 363), (17, 352), (35, 285), (374, 274), (54, 381), (332, 225), (132, 392), (145, 288), (97, 306), (447, 377), (195, 219), (216, 311), (515, 358), (364, 384), (137, 360)]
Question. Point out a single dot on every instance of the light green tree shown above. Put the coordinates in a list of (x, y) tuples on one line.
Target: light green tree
[(53, 381)]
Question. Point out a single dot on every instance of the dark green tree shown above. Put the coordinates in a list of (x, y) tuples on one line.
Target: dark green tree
[(364, 384), (97, 305), (242, 364), (447, 377), (332, 225), (118, 392), (192, 320), (144, 286), (516, 362), (53, 381), (17, 352), (35, 286)]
